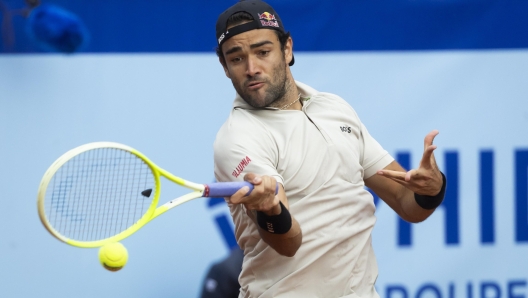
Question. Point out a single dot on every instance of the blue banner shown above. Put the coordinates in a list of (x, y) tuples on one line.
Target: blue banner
[(316, 25)]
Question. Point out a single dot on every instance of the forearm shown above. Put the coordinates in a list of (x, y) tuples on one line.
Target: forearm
[(285, 244), (410, 210), (417, 207), (269, 210), (397, 194)]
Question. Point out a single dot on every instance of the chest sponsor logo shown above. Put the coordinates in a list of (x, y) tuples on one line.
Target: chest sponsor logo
[(241, 166), (346, 129)]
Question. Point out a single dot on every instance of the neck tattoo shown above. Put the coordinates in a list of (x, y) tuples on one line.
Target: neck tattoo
[(288, 105)]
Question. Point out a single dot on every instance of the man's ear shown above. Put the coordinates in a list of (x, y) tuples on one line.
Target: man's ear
[(226, 71), (288, 50)]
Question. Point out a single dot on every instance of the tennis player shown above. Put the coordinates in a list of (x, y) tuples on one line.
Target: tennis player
[(312, 239)]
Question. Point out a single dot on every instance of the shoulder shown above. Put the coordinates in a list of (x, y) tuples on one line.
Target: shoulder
[(332, 105), (321, 97), (333, 99), (241, 139), (242, 126)]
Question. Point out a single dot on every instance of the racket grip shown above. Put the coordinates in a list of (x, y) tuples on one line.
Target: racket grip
[(227, 189)]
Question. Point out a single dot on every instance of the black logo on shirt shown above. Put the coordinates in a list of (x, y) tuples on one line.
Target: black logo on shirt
[(346, 129)]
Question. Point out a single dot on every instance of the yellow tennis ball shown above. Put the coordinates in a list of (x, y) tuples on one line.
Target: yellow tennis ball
[(113, 256)]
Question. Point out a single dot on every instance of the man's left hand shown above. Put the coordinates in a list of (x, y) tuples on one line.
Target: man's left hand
[(426, 179)]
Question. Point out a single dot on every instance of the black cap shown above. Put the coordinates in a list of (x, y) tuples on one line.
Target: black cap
[(264, 17)]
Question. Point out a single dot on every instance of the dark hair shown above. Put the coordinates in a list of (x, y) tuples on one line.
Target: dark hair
[(241, 17)]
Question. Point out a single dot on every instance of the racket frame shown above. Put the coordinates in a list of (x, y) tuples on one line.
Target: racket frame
[(152, 212)]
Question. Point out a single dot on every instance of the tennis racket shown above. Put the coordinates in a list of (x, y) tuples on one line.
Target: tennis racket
[(104, 192)]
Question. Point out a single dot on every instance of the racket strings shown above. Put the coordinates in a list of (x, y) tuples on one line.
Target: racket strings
[(97, 194)]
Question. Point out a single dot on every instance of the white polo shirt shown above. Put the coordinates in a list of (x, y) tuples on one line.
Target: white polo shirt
[(321, 155)]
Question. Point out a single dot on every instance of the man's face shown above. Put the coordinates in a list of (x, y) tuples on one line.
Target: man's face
[(256, 66)]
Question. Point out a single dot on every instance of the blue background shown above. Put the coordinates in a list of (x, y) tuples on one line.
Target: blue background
[(330, 25), (149, 78)]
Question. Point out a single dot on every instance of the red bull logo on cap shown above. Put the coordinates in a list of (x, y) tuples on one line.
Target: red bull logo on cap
[(266, 16), (268, 19)]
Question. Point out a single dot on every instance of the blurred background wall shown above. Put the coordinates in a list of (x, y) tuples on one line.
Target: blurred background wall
[(145, 74)]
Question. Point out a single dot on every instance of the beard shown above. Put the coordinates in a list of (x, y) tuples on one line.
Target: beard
[(276, 90)]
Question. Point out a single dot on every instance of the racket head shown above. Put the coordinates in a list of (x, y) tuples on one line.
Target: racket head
[(98, 193)]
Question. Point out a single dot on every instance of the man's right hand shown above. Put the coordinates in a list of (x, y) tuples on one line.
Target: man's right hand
[(263, 197)]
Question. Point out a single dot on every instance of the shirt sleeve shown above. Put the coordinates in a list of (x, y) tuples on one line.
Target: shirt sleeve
[(373, 156), (241, 149)]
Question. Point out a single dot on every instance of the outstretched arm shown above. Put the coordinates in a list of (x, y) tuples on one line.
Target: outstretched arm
[(398, 188)]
